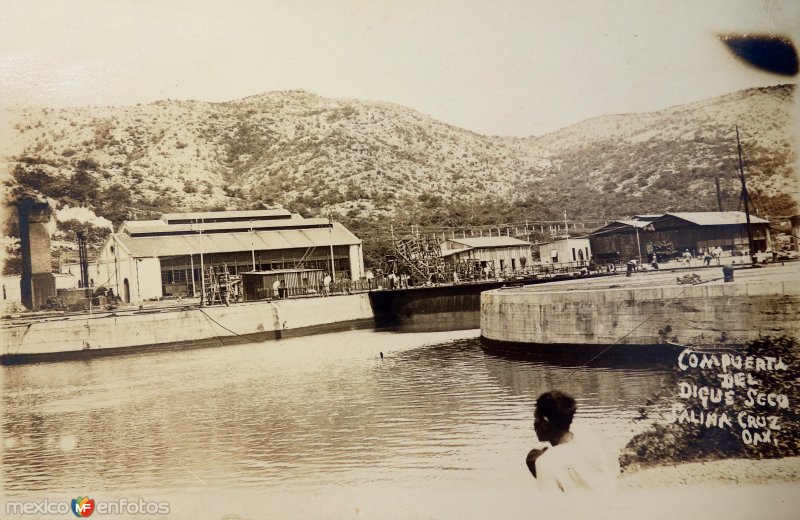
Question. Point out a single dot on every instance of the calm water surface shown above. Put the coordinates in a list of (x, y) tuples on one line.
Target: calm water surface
[(307, 427)]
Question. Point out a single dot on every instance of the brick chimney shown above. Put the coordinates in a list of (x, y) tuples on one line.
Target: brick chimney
[(37, 283)]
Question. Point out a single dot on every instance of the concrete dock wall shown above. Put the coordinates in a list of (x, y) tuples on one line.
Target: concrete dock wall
[(444, 307), (256, 321), (698, 315)]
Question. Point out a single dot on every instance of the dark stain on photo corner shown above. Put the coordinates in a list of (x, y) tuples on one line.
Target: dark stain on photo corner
[(774, 54)]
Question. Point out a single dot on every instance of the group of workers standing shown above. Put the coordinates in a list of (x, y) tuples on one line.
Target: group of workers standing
[(280, 291)]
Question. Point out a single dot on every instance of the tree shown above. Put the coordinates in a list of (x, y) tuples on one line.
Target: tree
[(84, 187), (12, 257), (115, 202)]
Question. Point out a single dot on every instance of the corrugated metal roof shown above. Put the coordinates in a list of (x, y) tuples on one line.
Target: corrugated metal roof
[(716, 218), (451, 252), (700, 218), (490, 241), (158, 226), (616, 225), (254, 214), (266, 240), (634, 223), (143, 223)]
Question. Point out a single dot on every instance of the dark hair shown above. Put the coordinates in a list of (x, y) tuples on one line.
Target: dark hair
[(558, 407)]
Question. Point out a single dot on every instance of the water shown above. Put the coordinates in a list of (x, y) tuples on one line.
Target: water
[(318, 426)]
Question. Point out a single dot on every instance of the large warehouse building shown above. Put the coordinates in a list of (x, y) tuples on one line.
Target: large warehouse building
[(670, 234), (149, 259)]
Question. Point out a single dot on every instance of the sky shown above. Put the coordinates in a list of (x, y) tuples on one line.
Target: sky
[(496, 67)]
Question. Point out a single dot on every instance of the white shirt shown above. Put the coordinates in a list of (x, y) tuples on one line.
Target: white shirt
[(582, 464)]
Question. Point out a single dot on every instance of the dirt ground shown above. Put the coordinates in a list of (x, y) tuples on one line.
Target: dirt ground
[(728, 471)]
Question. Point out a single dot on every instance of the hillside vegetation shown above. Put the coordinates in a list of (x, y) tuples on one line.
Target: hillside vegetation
[(373, 164)]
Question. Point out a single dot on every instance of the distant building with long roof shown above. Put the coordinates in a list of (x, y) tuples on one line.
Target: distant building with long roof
[(673, 233)]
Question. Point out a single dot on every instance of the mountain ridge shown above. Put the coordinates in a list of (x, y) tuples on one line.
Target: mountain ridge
[(372, 162)]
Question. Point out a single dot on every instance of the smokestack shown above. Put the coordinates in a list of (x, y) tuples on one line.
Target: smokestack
[(37, 283), (83, 258), (795, 220)]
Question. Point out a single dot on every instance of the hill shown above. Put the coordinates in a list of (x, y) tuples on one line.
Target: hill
[(371, 163), (668, 160)]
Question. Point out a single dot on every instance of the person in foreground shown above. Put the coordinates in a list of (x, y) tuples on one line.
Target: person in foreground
[(562, 460)]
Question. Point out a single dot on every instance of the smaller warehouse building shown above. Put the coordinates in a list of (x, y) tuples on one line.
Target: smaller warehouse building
[(572, 251), (500, 254), (262, 285), (620, 240), (668, 235)]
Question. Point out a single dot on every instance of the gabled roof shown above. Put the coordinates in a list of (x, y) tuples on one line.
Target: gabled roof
[(260, 240), (451, 252), (699, 218), (220, 216), (159, 227), (714, 218), (480, 242), (625, 225)]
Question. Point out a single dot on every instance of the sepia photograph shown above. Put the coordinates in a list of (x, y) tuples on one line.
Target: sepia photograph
[(422, 259)]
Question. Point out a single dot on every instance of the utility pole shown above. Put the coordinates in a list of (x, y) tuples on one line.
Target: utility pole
[(202, 271), (333, 272), (638, 245), (191, 266), (745, 198), (252, 247), (719, 193), (116, 262)]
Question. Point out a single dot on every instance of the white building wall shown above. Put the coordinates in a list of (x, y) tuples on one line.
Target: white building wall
[(66, 281), (356, 261), (495, 254), (103, 274), (11, 290), (147, 274), (114, 266), (565, 248), (143, 276)]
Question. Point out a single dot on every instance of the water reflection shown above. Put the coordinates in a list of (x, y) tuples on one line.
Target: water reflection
[(319, 411)]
